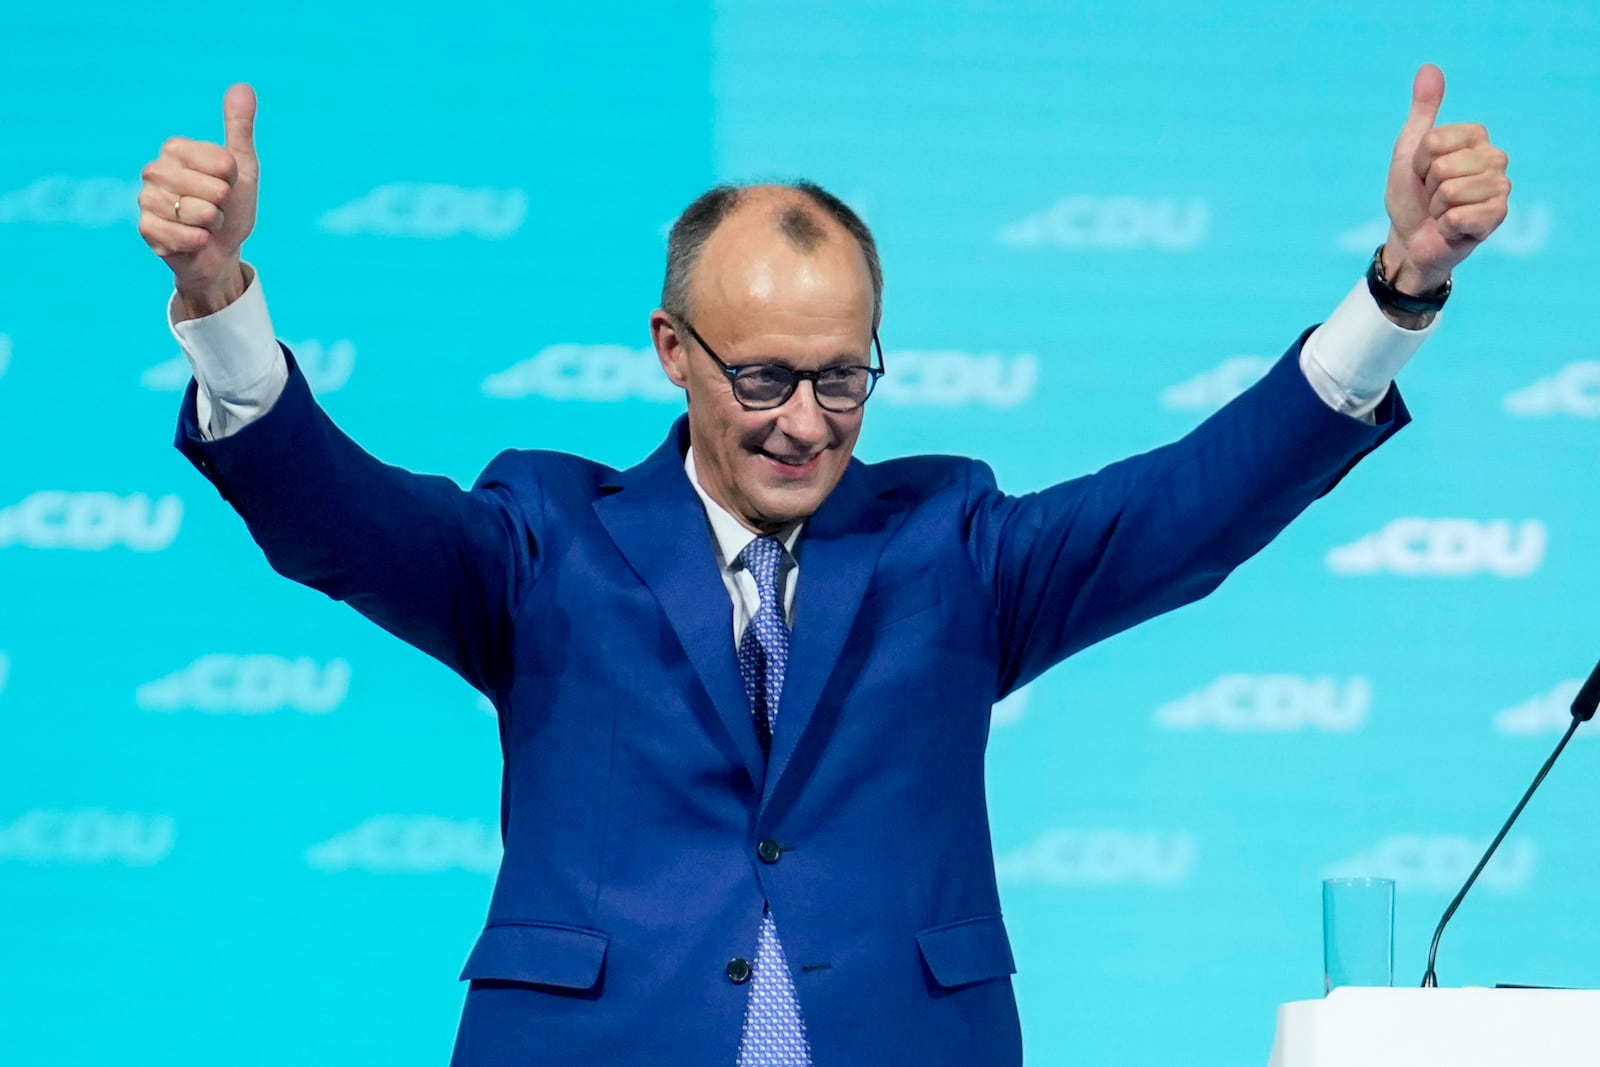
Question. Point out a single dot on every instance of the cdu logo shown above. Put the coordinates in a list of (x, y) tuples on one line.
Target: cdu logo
[(1096, 859), (249, 685), (410, 844), (1440, 863), (1445, 548), (1545, 713), (1573, 390), (1525, 232), (958, 379), (1215, 387), (91, 522), (1271, 703), (430, 212), (595, 373), (89, 837), (327, 367), (63, 201), (1113, 223)]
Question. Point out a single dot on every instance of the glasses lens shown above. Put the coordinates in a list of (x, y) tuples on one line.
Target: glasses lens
[(763, 386), (842, 388)]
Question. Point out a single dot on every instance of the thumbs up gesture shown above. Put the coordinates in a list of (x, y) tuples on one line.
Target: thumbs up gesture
[(198, 204), (1447, 191)]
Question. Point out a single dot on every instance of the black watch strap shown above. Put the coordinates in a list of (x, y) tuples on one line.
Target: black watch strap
[(1389, 297)]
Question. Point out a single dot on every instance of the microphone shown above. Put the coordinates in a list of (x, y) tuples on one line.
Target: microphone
[(1583, 709), (1588, 697)]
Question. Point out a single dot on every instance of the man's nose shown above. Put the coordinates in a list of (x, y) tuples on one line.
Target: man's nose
[(801, 418)]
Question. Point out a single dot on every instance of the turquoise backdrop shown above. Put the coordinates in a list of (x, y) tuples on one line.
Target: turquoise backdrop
[(239, 825)]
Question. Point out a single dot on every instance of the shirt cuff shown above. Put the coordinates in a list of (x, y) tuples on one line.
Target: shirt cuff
[(1353, 358), (239, 370)]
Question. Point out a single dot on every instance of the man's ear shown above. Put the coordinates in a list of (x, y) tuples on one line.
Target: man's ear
[(670, 350)]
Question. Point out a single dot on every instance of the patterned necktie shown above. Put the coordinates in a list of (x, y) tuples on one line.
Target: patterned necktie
[(774, 1033)]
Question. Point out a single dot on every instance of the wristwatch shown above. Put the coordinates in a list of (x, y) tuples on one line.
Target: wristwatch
[(1389, 297)]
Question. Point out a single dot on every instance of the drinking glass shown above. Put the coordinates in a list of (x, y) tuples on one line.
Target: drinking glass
[(1357, 932)]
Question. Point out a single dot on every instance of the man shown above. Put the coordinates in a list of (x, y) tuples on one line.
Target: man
[(743, 809)]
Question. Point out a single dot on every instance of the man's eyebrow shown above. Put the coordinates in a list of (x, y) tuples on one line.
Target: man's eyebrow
[(847, 359)]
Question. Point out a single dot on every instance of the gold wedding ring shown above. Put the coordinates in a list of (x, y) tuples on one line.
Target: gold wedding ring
[(177, 208)]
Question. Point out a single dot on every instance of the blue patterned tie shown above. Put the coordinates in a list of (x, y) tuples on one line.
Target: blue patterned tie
[(774, 1033)]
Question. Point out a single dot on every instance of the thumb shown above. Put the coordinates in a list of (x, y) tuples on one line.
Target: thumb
[(239, 120), (1427, 93)]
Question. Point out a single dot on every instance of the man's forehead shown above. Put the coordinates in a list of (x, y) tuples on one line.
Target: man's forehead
[(749, 263)]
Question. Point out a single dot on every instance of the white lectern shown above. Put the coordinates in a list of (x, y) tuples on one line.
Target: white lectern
[(1358, 1027)]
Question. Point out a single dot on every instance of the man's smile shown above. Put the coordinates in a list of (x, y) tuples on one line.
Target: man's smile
[(792, 465)]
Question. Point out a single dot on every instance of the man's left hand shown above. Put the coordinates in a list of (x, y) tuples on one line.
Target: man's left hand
[(1447, 191)]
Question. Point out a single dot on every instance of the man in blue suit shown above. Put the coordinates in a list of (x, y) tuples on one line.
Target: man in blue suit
[(744, 687)]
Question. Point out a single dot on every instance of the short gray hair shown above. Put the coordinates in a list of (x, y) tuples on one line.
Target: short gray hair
[(701, 218)]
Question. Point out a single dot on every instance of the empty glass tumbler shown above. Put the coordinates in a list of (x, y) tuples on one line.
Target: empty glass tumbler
[(1357, 932)]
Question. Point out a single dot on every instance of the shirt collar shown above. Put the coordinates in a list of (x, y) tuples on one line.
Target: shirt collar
[(731, 535)]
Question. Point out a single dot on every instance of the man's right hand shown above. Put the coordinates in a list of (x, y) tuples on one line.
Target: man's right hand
[(198, 204)]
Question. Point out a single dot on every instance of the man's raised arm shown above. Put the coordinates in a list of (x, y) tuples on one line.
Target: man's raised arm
[(1080, 561), (437, 566)]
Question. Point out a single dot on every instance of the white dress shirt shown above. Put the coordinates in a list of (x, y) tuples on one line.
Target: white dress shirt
[(730, 537)]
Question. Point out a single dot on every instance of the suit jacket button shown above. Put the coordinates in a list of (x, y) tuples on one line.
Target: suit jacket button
[(738, 970), (769, 851)]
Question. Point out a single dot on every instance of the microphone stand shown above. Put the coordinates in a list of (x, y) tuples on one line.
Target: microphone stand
[(1583, 709)]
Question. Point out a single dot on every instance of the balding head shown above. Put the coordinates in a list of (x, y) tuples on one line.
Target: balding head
[(803, 213)]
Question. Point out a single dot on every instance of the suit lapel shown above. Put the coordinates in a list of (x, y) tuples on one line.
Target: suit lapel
[(659, 526), (839, 550)]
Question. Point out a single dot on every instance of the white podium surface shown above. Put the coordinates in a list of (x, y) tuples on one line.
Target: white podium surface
[(1357, 1027)]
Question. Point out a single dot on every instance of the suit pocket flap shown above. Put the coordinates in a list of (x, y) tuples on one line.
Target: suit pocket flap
[(967, 951), (538, 953)]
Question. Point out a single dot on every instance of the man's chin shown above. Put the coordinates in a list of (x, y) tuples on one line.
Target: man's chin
[(777, 509)]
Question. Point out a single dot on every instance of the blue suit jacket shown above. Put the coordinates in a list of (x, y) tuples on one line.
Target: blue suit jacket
[(587, 603)]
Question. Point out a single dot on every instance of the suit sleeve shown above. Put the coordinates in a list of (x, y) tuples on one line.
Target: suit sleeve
[(440, 567), (1077, 562)]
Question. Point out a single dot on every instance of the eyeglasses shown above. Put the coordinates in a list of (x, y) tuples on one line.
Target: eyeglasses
[(763, 386)]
